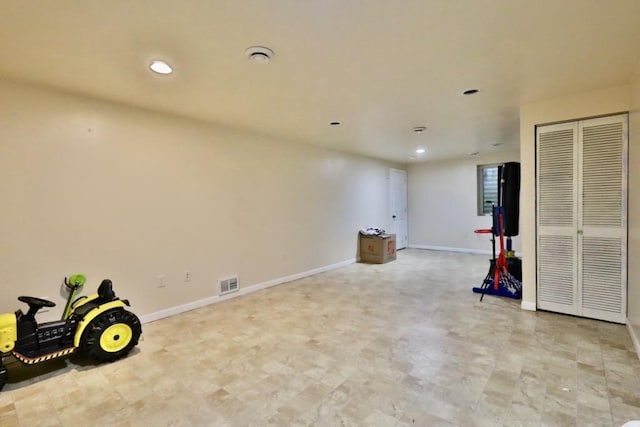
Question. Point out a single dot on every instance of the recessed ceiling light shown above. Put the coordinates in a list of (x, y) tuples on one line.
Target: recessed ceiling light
[(475, 153), (336, 123), (470, 92), (160, 67), (419, 129), (420, 151), (259, 54)]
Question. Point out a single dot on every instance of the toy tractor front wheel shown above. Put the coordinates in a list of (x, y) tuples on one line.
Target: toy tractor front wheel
[(111, 335)]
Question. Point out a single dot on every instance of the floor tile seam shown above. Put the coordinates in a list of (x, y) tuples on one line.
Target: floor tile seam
[(7, 414), (21, 422), (544, 407)]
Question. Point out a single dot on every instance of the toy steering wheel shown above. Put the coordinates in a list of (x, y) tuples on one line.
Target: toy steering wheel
[(37, 302)]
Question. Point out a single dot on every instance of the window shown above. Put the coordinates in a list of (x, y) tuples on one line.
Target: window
[(487, 188)]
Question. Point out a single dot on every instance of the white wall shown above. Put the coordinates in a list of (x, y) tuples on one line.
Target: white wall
[(633, 301), (582, 105), (129, 194), (443, 203)]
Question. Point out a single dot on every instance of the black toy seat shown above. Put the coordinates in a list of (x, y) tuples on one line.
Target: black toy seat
[(105, 291), (105, 295)]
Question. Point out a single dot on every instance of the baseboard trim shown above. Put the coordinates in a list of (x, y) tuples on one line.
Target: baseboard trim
[(172, 311), (528, 305), (634, 337), (462, 250), (449, 249)]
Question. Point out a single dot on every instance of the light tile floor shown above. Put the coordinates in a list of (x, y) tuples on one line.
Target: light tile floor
[(400, 344)]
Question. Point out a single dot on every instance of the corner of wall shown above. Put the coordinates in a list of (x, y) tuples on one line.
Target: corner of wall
[(528, 305), (634, 332), (633, 284)]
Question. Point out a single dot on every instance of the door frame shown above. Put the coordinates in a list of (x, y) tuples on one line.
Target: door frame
[(402, 236)]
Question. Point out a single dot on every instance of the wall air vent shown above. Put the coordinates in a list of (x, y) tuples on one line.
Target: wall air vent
[(229, 285)]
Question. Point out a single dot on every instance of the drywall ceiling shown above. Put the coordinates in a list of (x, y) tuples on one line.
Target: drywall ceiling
[(381, 67)]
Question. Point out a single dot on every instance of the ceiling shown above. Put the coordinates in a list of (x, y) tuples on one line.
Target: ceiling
[(380, 67)]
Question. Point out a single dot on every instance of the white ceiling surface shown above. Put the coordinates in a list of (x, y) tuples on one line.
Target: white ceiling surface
[(379, 66)]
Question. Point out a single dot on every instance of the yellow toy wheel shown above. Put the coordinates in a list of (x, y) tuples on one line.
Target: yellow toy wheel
[(116, 337), (111, 335)]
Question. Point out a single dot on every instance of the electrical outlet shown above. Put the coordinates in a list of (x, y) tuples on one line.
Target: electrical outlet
[(162, 282), (187, 276)]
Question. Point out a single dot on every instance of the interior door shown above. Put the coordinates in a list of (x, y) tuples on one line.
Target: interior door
[(557, 259), (398, 197), (582, 217), (602, 218)]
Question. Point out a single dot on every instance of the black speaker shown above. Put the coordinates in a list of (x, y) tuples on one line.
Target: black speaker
[(510, 183)]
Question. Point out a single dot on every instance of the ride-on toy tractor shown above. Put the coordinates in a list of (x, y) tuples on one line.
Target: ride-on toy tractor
[(97, 324)]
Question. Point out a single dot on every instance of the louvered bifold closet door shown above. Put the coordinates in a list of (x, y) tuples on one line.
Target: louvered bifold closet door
[(602, 235), (557, 217)]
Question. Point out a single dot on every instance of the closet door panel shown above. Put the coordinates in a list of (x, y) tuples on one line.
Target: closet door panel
[(602, 218), (557, 218), (557, 290), (602, 279)]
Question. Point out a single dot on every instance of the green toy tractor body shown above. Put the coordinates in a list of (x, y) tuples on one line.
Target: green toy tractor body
[(97, 324)]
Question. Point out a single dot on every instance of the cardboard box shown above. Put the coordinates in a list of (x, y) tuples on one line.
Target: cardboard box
[(377, 249)]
